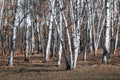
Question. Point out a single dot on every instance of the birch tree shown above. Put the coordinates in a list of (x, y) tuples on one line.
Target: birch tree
[(76, 32), (116, 9), (28, 25), (60, 31), (13, 36), (38, 35), (1, 11), (52, 5), (107, 32), (1, 16)]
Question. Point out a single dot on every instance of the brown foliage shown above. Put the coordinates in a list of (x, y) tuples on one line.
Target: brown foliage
[(11, 18)]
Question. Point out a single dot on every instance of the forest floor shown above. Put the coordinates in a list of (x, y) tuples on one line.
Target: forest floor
[(92, 69)]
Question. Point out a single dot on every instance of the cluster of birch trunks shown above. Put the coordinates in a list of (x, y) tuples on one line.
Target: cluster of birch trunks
[(59, 28)]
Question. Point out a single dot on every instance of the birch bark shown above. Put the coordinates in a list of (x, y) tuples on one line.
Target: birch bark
[(76, 33), (28, 25), (52, 4), (60, 31), (107, 33), (13, 37)]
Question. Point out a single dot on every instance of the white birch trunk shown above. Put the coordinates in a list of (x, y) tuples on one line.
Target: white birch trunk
[(107, 33), (116, 41), (60, 31), (1, 16), (117, 34), (69, 41), (33, 42), (96, 38), (116, 9), (76, 34), (26, 57), (38, 35), (28, 25), (52, 3), (1, 12), (13, 37), (90, 23), (63, 46)]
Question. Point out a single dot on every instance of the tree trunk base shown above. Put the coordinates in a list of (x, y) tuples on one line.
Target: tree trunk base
[(26, 60)]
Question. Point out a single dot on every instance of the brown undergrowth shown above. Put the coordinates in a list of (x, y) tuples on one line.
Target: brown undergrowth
[(35, 69)]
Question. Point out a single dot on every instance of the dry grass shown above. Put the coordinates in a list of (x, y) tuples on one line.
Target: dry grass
[(92, 69), (33, 72)]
